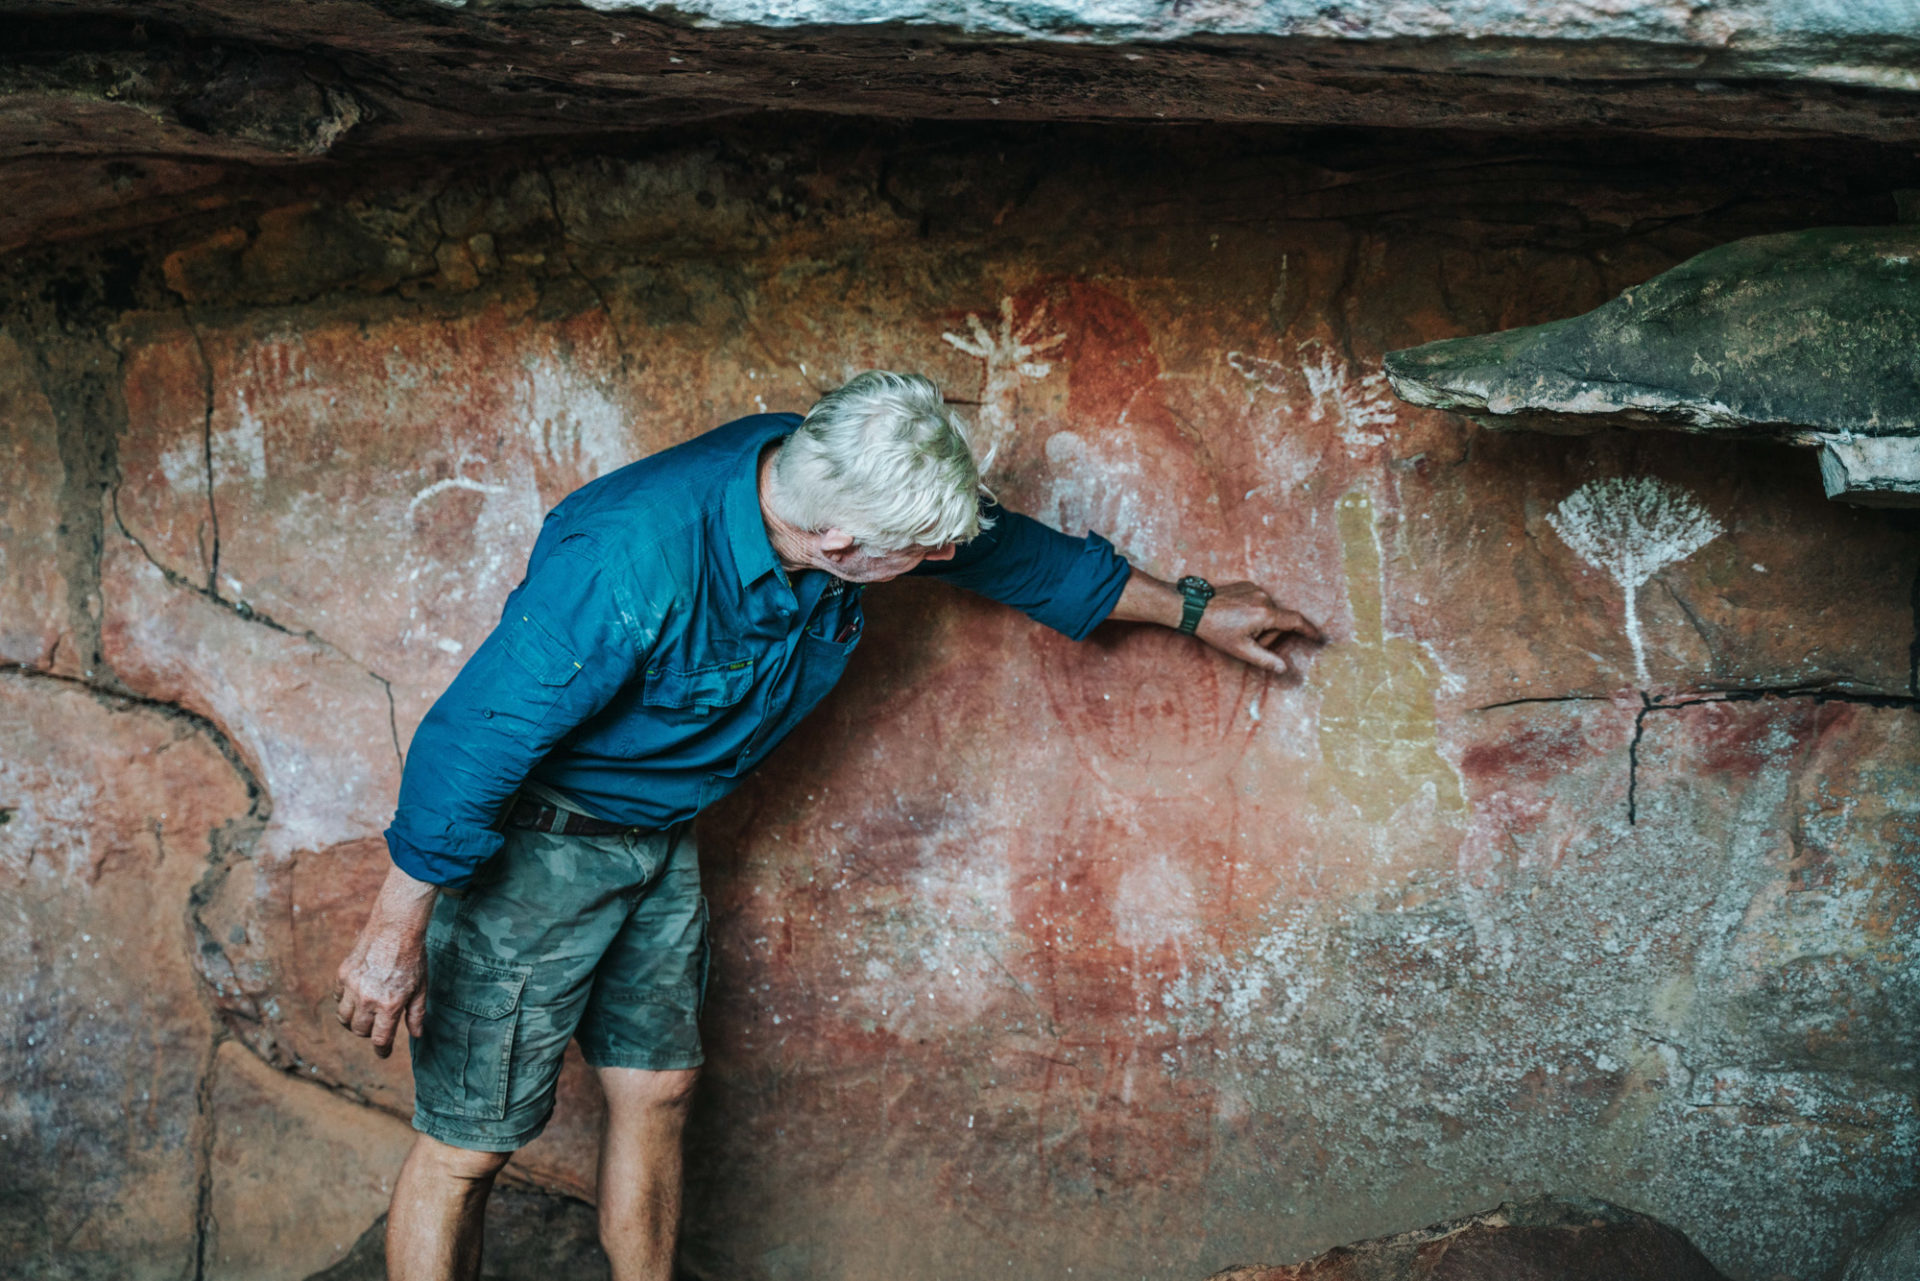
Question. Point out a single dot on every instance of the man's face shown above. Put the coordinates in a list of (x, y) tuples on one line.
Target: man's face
[(858, 564)]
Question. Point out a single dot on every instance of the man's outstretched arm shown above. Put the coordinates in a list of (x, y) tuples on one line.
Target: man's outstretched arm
[(1074, 584), (1241, 619)]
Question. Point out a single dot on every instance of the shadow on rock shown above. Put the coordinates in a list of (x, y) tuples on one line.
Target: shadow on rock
[(531, 1236)]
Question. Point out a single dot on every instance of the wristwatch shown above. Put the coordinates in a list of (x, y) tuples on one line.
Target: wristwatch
[(1197, 591)]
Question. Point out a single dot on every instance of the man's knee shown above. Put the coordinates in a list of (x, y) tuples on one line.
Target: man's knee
[(461, 1165), (633, 1092)]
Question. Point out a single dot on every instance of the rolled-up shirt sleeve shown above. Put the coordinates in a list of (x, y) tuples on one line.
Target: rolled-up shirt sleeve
[(1068, 584), (570, 636)]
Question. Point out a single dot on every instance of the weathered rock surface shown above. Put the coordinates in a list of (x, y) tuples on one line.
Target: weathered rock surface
[(33, 592), (112, 813), (1542, 1239), (296, 1172), (315, 732), (1032, 956), (1807, 336)]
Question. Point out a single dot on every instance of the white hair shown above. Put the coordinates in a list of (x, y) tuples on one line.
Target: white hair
[(883, 459)]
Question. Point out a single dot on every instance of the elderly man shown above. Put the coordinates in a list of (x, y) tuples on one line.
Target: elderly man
[(678, 618)]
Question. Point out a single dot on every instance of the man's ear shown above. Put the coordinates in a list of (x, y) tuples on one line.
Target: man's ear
[(837, 544)]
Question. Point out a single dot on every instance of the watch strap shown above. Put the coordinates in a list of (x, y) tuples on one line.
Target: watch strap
[(1195, 592)]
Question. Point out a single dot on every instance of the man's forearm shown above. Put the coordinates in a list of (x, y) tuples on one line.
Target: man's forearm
[(392, 944), (1147, 599), (403, 907)]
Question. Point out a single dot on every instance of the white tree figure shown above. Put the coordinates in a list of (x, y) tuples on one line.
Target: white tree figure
[(1633, 527), (1007, 350)]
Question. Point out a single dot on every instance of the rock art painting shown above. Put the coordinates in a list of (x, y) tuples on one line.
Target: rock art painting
[(1007, 351), (1631, 528), (1361, 410), (1378, 732)]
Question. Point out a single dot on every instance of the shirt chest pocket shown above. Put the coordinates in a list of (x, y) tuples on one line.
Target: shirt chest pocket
[(697, 689)]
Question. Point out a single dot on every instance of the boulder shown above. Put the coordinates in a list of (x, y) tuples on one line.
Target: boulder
[(1806, 336), (1544, 1238)]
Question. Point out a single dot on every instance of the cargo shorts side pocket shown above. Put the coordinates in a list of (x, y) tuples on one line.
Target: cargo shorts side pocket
[(461, 1058)]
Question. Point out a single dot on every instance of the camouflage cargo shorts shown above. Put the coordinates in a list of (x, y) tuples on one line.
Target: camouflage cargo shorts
[(603, 938)]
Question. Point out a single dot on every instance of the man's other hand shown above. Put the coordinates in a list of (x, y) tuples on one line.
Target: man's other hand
[(384, 978), (1242, 620)]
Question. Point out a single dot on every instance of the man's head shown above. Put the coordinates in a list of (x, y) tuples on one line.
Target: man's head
[(880, 476)]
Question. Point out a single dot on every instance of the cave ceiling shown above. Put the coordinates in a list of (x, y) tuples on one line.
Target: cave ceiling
[(118, 113)]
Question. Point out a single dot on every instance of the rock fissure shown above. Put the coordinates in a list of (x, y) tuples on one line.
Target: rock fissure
[(256, 793), (1913, 647), (393, 716), (241, 609), (206, 1135), (236, 1012), (1651, 703), (1692, 616), (1543, 698), (1633, 758)]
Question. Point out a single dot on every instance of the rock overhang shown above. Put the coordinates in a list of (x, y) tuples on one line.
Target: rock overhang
[(111, 114), (1810, 337)]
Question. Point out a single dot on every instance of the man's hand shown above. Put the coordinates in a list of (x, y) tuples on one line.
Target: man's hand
[(384, 977), (1241, 619)]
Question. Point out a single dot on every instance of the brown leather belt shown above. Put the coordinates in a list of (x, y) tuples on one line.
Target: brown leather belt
[(530, 815)]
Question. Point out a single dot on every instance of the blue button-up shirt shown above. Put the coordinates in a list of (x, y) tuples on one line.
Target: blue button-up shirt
[(656, 651)]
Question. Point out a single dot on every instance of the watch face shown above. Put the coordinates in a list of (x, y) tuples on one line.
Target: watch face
[(1195, 586)]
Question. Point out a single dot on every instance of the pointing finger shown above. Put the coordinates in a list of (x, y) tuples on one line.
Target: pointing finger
[(1305, 628)]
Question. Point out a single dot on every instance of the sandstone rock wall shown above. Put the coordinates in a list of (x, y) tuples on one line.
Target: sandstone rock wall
[(1032, 956)]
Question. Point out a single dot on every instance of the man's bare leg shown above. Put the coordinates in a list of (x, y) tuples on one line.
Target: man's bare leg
[(439, 1209), (640, 1169)]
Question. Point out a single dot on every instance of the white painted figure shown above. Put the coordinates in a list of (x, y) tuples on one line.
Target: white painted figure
[(1008, 350), (1632, 527)]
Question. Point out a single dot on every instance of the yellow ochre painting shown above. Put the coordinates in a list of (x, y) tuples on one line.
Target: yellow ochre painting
[(1377, 728)]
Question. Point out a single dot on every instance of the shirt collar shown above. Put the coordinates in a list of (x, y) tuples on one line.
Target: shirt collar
[(746, 529)]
